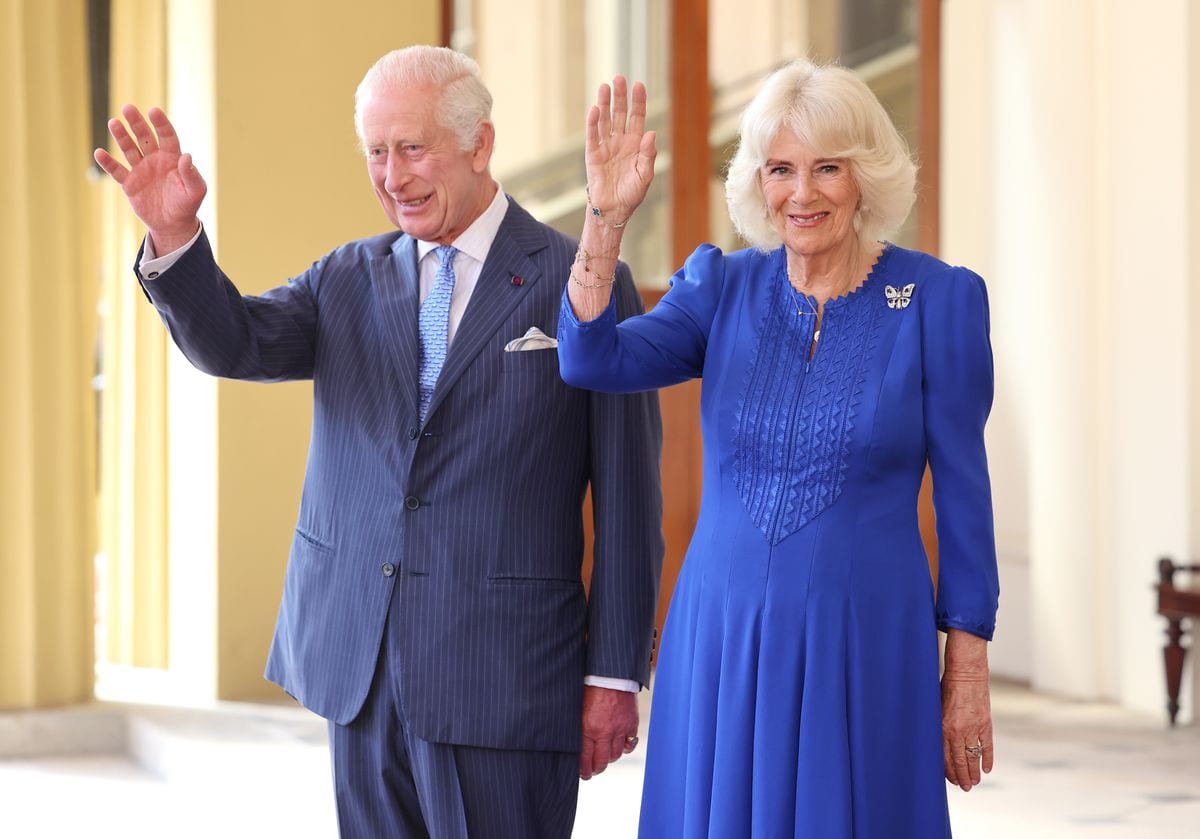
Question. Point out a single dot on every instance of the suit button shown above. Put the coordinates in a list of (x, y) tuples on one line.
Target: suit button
[(413, 432), (412, 502), (388, 569)]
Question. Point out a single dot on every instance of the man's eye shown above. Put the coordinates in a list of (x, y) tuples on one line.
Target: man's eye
[(375, 152)]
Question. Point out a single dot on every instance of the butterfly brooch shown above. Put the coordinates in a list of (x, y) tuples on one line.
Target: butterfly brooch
[(899, 298)]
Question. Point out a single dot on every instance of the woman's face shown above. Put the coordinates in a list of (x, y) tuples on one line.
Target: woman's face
[(811, 200)]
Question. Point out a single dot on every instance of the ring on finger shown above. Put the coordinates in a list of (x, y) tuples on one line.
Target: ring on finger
[(974, 751)]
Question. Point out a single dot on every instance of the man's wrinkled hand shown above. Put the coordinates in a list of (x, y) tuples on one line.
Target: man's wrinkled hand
[(610, 727), (163, 187)]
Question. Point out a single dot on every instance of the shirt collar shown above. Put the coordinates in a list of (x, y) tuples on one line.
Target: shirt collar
[(477, 239)]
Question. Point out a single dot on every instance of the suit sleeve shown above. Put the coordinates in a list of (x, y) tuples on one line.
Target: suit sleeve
[(958, 386), (271, 337), (625, 448), (654, 350)]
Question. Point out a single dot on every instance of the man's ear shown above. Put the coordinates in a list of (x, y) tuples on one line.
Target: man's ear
[(485, 144)]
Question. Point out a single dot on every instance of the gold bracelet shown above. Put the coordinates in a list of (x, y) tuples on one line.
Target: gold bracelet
[(604, 281), (599, 216), (582, 255)]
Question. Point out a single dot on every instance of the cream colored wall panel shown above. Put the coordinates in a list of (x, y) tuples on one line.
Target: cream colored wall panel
[(1092, 279), (1143, 240), (1193, 275), (970, 236), (516, 49)]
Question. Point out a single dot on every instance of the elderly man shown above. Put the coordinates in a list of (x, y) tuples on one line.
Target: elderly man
[(433, 608)]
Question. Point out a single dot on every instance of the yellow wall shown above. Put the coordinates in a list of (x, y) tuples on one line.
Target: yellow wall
[(272, 120), (46, 326)]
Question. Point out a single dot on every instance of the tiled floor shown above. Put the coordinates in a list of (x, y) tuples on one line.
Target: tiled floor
[(1064, 770)]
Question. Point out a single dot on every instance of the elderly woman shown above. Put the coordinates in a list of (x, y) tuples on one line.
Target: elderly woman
[(797, 691)]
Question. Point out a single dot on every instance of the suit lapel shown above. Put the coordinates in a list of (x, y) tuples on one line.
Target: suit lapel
[(394, 279), (495, 295)]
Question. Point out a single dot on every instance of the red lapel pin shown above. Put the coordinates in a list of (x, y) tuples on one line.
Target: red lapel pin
[(518, 280)]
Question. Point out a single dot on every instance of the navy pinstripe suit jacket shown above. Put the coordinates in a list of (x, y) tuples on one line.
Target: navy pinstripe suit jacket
[(476, 516)]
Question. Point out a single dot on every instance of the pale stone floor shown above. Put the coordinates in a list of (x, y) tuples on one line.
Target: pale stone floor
[(1064, 770)]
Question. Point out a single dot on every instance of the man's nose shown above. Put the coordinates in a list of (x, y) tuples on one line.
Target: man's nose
[(397, 173)]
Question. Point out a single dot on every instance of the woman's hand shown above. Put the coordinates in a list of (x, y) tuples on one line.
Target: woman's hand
[(966, 710), (163, 187), (618, 152)]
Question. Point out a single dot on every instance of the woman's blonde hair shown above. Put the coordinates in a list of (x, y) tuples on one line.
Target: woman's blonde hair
[(836, 115)]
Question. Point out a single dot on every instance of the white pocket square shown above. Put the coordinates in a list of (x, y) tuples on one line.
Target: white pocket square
[(533, 339)]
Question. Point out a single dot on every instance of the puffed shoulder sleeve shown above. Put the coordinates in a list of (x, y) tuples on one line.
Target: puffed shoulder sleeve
[(662, 347), (958, 383)]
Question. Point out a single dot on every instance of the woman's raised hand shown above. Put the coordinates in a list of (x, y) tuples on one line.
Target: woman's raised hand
[(618, 151), (164, 189)]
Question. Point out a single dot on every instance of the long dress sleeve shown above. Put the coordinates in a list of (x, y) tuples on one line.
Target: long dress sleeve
[(663, 347), (958, 385)]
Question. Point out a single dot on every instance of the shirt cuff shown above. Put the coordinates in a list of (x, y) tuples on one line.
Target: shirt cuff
[(627, 685), (152, 265)]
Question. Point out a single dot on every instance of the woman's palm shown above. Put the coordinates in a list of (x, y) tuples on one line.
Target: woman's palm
[(619, 153)]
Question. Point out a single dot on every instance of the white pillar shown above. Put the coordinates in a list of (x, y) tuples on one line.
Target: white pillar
[(1142, 243), (1067, 183)]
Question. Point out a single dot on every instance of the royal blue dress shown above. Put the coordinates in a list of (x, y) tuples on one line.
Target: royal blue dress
[(797, 684)]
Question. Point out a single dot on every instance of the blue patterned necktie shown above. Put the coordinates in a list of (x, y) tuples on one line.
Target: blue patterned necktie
[(434, 322)]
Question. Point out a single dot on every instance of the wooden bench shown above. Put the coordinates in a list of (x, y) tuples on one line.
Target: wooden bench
[(1175, 603)]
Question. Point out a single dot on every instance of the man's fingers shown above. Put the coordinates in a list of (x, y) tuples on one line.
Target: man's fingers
[(142, 132), (585, 759), (110, 165), (190, 175), (608, 718), (124, 141), (600, 758), (168, 140)]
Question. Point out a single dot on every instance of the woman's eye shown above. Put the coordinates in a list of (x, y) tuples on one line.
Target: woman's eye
[(828, 169)]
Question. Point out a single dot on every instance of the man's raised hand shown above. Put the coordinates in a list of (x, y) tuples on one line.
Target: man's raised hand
[(163, 187)]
